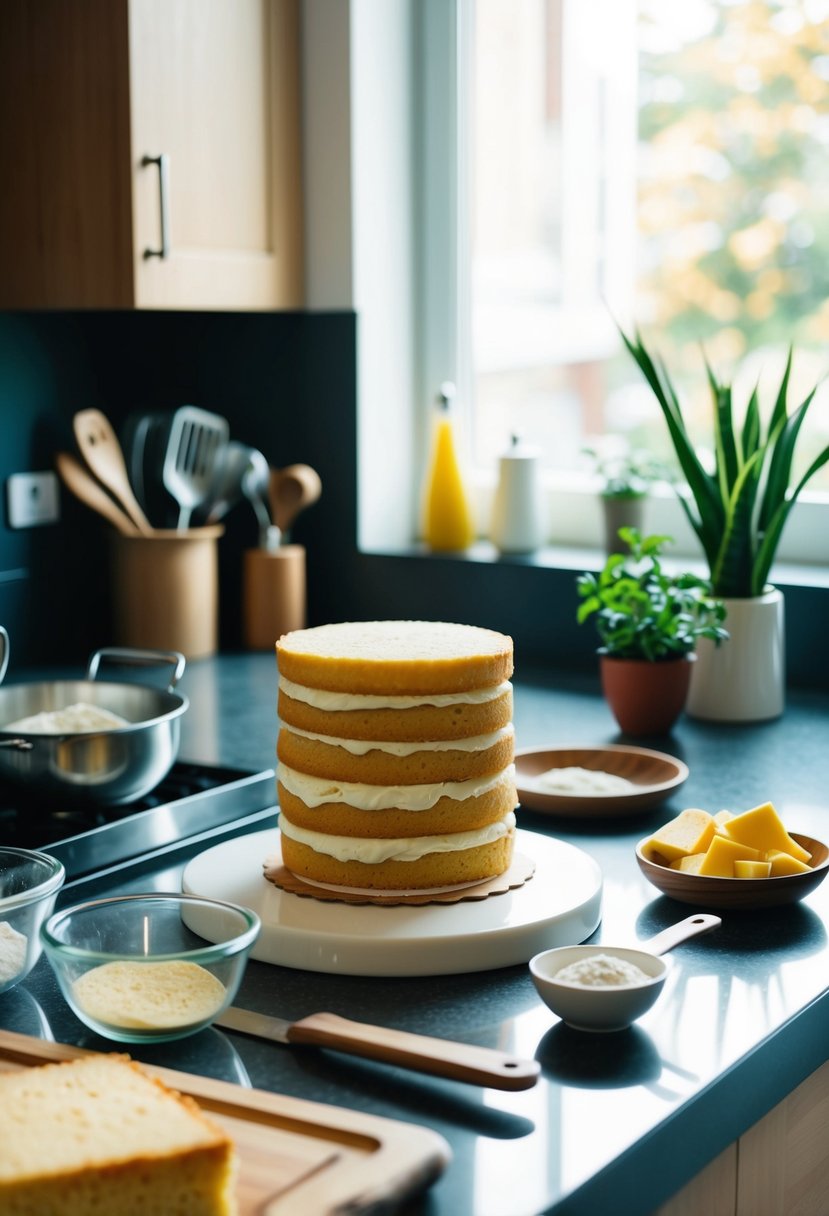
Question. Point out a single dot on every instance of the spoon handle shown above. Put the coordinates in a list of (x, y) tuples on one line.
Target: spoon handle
[(702, 922)]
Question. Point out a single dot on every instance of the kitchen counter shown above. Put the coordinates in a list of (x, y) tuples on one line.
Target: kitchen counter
[(618, 1123)]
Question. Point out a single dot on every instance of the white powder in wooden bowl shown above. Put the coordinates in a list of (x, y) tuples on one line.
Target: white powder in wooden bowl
[(581, 781), (601, 971), (149, 996), (13, 947)]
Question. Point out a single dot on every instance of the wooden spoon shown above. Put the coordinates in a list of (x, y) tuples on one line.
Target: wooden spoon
[(100, 448), (291, 490), (88, 490)]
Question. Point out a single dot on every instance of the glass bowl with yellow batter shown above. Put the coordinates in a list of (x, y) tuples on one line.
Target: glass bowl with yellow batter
[(149, 968)]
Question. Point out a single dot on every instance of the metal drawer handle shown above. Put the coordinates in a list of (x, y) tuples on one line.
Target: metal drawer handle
[(163, 162)]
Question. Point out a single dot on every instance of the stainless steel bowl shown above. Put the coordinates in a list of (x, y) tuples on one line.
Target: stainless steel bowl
[(112, 766)]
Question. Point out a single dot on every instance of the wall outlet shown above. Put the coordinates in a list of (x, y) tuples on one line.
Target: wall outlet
[(32, 499)]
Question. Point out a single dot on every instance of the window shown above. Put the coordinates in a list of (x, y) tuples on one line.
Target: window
[(663, 164)]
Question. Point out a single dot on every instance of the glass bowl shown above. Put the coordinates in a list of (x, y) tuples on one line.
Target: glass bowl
[(29, 884), (149, 968)]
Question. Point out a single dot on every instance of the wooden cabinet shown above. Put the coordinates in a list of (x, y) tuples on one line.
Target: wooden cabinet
[(89, 91), (780, 1167)]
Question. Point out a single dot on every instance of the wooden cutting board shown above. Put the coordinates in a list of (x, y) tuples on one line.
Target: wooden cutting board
[(295, 1155)]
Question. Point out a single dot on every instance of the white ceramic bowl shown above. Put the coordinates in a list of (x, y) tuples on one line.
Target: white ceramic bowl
[(597, 1007), (29, 885), (133, 969)]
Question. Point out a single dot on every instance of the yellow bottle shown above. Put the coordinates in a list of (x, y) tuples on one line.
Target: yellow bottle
[(448, 523)]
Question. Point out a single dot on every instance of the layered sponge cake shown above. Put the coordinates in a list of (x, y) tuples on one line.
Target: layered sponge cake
[(395, 754)]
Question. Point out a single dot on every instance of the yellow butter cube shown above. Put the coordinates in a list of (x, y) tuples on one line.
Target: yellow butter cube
[(721, 855), (690, 832), (689, 865), (762, 828), (753, 869), (721, 819), (784, 863)]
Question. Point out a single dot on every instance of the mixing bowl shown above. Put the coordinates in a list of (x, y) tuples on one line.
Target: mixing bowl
[(132, 969), (29, 884)]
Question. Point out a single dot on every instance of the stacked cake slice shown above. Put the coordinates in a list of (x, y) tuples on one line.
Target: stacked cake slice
[(395, 754)]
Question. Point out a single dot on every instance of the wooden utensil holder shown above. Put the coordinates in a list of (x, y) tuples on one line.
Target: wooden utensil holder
[(274, 594), (165, 591)]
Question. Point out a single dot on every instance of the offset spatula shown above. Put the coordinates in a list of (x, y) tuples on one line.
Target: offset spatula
[(440, 1057)]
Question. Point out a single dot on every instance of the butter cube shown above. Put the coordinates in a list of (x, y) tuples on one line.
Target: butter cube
[(762, 829), (784, 863), (721, 855), (689, 865), (753, 869), (691, 832)]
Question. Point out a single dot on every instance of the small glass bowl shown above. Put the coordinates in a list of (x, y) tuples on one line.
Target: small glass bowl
[(150, 968), (29, 885)]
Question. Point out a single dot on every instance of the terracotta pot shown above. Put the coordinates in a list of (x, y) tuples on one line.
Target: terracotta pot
[(646, 698)]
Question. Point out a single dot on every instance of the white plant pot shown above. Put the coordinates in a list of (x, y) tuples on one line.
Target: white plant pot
[(744, 679)]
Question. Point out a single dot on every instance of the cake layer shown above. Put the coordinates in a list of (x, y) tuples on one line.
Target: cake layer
[(318, 791), (398, 657), (445, 816), (462, 715), (389, 763), (465, 857)]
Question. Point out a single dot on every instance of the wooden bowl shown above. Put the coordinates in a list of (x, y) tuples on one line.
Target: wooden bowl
[(747, 894), (654, 776)]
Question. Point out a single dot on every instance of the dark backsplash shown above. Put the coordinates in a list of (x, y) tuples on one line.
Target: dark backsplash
[(286, 383)]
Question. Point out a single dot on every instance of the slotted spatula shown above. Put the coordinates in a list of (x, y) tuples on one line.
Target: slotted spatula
[(195, 437)]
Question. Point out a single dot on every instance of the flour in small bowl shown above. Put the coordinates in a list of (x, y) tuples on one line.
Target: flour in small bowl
[(149, 996), (13, 948), (581, 782), (601, 971)]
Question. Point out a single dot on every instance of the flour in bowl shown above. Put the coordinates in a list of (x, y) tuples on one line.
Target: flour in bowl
[(148, 995), (76, 719), (13, 947), (601, 971), (581, 781)]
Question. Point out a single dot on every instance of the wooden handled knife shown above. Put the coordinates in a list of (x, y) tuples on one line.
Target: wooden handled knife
[(440, 1057)]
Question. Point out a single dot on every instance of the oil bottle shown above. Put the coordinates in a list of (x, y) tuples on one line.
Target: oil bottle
[(448, 522)]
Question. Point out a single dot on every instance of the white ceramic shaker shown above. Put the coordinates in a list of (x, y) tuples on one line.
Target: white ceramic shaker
[(518, 509)]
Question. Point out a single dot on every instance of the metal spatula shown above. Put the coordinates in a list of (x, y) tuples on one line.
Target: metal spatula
[(195, 437)]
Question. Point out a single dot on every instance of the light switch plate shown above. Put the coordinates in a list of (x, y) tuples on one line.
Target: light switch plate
[(32, 499)]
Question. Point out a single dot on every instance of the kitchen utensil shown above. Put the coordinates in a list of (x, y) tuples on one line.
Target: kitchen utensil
[(654, 776), (194, 439), (605, 1007), (105, 767), (295, 1155), (439, 1057), (291, 490), (139, 936), (746, 894), (84, 486), (255, 483), (99, 446), (225, 490), (29, 885)]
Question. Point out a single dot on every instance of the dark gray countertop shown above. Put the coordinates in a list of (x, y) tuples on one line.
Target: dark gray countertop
[(618, 1122)]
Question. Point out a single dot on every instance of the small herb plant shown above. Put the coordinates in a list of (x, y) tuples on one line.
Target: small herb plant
[(626, 474), (641, 612)]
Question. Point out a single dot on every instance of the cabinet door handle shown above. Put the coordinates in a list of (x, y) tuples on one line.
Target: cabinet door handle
[(163, 162)]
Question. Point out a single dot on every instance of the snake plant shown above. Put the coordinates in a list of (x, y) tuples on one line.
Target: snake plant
[(739, 510)]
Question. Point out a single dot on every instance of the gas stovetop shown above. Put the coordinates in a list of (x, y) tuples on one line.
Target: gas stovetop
[(192, 800)]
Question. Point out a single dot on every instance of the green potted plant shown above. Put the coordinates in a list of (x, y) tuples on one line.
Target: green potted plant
[(738, 511), (649, 622), (627, 475)]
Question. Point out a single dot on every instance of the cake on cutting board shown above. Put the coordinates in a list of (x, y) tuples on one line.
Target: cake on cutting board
[(395, 754)]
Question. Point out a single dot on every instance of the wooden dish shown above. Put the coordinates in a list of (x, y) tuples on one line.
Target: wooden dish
[(747, 894), (655, 776)]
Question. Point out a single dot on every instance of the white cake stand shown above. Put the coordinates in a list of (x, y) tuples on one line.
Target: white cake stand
[(559, 906)]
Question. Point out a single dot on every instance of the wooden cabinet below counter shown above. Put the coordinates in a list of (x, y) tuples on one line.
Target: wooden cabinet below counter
[(92, 93)]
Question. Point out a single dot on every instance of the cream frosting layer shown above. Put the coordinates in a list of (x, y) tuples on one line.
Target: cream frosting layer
[(361, 747), (315, 791), (319, 698), (410, 848)]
